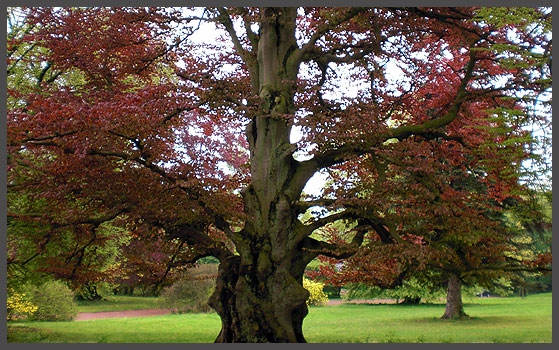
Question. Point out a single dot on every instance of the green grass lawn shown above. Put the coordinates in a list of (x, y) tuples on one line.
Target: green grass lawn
[(494, 320), (500, 320)]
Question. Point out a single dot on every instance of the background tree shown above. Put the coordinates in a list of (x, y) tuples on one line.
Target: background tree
[(166, 132), (39, 250), (531, 216)]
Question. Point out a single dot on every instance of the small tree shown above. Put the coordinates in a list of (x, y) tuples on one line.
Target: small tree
[(191, 291)]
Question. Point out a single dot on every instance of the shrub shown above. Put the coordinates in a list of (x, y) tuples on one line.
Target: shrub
[(54, 301), (317, 296), (18, 305), (188, 296)]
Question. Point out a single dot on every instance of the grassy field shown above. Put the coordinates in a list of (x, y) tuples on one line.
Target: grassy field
[(494, 320)]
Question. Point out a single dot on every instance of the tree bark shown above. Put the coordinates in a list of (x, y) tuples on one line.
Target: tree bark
[(454, 307), (254, 309)]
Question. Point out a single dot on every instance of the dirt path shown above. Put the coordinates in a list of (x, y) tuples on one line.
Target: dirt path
[(83, 316)]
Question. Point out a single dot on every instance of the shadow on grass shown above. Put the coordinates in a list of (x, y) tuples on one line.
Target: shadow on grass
[(472, 320)]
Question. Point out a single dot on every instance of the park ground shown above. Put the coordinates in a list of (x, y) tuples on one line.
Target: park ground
[(493, 320)]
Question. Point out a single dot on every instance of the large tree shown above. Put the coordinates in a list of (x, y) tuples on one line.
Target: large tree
[(141, 122)]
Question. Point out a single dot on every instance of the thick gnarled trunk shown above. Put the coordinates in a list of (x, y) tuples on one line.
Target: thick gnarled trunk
[(259, 294), (256, 310), (454, 307)]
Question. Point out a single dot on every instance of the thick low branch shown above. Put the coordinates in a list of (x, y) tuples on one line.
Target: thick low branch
[(338, 251), (302, 206), (193, 236), (315, 225), (384, 230), (306, 169), (428, 127)]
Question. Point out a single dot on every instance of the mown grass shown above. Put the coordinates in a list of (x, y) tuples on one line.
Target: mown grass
[(186, 328), (494, 320)]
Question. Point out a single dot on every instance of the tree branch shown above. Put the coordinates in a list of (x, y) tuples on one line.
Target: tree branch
[(302, 206), (338, 251), (169, 265), (193, 236), (315, 225), (447, 19), (405, 131), (427, 130), (143, 159), (506, 268), (48, 137), (307, 48), (250, 61), (252, 36)]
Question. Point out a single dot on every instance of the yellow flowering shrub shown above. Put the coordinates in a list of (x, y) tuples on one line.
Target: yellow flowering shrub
[(317, 296), (18, 307)]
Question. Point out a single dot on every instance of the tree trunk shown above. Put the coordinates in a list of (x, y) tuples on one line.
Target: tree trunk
[(259, 294), (89, 292), (253, 309), (411, 300), (454, 307)]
